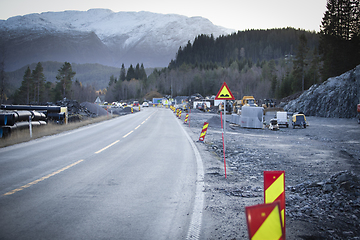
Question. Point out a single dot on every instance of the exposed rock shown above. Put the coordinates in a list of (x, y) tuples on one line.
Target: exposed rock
[(336, 97)]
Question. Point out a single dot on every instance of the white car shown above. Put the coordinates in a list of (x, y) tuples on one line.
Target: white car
[(145, 104)]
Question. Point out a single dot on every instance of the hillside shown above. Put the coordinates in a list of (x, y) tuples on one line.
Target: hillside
[(257, 45), (99, 36)]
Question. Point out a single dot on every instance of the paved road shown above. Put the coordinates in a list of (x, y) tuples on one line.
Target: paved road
[(132, 177)]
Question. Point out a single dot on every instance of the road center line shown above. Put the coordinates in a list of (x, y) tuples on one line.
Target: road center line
[(137, 127), (107, 147), (128, 134), (42, 179)]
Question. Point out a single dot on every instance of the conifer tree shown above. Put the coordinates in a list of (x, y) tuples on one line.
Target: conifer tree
[(142, 74), (26, 84), (339, 37), (300, 64), (38, 79), (130, 73), (137, 71), (122, 73), (64, 77)]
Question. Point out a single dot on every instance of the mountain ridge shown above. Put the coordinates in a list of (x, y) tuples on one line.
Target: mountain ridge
[(100, 36)]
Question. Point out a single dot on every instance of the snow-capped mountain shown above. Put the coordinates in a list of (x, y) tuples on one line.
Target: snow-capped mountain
[(99, 36)]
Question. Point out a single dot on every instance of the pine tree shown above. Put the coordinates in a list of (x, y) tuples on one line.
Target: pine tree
[(65, 76), (142, 74), (300, 64), (339, 37), (130, 73), (137, 71), (38, 80), (122, 73), (26, 87)]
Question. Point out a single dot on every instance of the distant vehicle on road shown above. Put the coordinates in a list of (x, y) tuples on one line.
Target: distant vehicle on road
[(135, 103), (145, 104)]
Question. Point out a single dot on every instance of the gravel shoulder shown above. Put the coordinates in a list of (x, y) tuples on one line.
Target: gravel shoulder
[(321, 164)]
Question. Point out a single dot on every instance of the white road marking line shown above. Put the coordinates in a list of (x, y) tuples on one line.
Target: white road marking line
[(196, 217)]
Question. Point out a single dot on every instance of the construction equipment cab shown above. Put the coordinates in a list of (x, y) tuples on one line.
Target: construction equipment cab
[(248, 101), (299, 119)]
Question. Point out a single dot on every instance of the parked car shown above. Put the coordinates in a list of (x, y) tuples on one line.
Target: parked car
[(135, 103)]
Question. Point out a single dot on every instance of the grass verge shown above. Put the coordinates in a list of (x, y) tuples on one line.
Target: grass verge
[(41, 131)]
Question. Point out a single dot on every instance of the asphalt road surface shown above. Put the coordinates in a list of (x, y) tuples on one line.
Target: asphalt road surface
[(131, 177)]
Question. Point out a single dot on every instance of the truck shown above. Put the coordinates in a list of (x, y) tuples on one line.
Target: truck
[(282, 119)]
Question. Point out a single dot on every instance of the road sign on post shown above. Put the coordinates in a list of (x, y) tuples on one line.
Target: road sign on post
[(224, 94)]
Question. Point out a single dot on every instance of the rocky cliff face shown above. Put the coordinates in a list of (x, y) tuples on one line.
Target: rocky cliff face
[(336, 97)]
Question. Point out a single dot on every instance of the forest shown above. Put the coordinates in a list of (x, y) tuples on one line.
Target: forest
[(273, 63), (253, 62)]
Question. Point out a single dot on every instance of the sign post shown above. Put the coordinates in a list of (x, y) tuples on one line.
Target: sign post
[(224, 94)]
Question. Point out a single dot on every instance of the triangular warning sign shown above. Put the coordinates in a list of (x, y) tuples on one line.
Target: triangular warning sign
[(224, 93)]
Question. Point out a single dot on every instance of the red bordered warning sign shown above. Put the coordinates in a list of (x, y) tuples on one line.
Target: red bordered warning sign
[(224, 93), (264, 221)]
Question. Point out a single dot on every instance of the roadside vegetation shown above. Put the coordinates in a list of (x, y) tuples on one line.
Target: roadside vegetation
[(20, 136)]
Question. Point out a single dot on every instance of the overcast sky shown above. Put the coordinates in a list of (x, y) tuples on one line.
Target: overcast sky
[(234, 14)]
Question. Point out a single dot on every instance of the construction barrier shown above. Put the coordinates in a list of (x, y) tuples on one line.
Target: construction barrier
[(274, 190), (264, 222), (203, 132), (186, 118), (180, 113)]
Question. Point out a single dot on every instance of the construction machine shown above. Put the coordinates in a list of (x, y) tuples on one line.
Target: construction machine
[(245, 101)]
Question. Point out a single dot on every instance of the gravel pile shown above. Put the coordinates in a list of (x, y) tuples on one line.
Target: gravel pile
[(93, 109), (336, 198)]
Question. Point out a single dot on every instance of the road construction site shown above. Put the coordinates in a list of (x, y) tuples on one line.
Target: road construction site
[(321, 164)]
